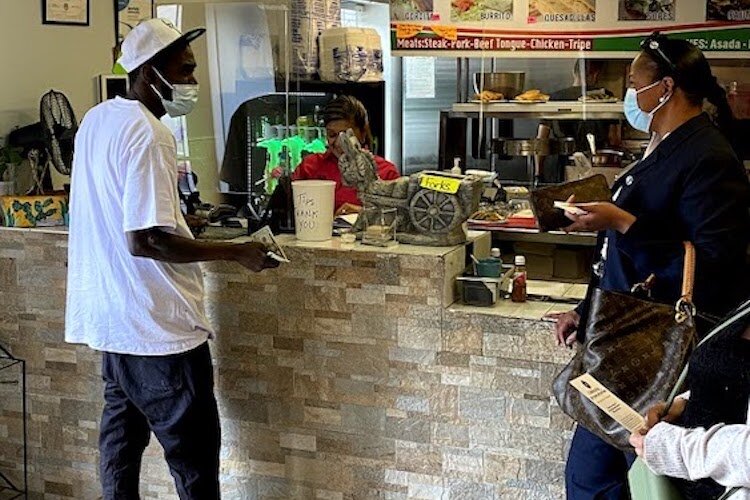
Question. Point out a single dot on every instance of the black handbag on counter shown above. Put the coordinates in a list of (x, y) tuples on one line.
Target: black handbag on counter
[(634, 347)]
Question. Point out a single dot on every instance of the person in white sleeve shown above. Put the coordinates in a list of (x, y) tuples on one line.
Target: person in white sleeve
[(135, 289), (704, 441)]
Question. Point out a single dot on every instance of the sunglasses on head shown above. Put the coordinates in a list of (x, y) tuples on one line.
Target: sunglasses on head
[(651, 45)]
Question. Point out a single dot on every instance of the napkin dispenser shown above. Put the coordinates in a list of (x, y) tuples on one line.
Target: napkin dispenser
[(478, 291)]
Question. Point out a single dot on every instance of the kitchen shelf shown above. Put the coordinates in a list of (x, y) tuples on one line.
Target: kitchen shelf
[(535, 236), (552, 110)]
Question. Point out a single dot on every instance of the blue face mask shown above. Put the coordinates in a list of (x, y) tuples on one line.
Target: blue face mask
[(639, 119)]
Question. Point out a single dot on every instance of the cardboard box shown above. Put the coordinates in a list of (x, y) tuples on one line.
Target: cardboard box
[(525, 248), (540, 267), (570, 265)]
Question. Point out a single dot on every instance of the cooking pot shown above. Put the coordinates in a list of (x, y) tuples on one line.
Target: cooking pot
[(508, 83), (534, 146)]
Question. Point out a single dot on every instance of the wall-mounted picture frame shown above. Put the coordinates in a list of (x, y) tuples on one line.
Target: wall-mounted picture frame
[(128, 13), (111, 86), (66, 12)]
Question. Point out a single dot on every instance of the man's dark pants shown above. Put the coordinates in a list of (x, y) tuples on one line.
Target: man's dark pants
[(173, 397), (596, 470)]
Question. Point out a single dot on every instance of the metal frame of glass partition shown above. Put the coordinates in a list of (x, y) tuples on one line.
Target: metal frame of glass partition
[(7, 487)]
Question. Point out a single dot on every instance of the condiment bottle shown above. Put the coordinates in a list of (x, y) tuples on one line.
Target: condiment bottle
[(456, 166), (518, 292)]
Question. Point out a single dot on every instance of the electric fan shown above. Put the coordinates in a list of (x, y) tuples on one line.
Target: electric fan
[(49, 141)]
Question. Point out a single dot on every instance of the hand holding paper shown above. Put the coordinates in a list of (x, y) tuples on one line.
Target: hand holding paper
[(265, 236), (569, 208)]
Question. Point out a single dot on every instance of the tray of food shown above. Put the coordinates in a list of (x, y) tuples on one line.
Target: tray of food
[(598, 95), (533, 96), (597, 100), (490, 215), (488, 96)]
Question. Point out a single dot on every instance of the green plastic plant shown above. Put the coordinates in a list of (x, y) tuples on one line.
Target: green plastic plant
[(9, 157)]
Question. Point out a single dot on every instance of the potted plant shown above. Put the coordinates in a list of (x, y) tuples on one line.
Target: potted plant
[(10, 158)]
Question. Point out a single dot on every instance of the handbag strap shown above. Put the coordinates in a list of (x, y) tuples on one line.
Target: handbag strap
[(684, 305), (688, 273), (739, 313)]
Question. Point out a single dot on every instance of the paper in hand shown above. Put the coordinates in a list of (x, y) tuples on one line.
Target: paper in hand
[(569, 207), (608, 402), (265, 236)]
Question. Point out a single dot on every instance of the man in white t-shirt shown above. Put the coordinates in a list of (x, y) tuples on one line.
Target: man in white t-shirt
[(135, 289)]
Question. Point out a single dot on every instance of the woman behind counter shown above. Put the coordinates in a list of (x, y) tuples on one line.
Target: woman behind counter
[(690, 186), (341, 114)]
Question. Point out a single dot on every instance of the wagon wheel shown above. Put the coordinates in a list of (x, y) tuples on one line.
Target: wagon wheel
[(433, 211)]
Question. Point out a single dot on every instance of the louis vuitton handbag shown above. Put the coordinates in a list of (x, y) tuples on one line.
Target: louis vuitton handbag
[(634, 347)]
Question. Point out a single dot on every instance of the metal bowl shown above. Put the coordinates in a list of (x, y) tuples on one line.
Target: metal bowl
[(607, 158), (508, 83)]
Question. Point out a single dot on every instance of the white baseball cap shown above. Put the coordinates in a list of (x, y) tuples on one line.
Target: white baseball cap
[(149, 38)]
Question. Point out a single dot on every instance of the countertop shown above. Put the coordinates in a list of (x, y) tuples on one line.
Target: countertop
[(533, 308), (41, 230), (335, 243), (290, 241)]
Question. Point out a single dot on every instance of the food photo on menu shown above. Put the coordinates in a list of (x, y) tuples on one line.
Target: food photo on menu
[(562, 11), (646, 10), (481, 10), (412, 10), (728, 10)]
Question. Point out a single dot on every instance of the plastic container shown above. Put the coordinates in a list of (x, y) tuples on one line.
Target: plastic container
[(489, 268), (350, 55), (456, 166), (380, 226), (313, 209)]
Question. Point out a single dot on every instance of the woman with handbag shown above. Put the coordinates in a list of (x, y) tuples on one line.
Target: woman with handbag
[(704, 440), (690, 186)]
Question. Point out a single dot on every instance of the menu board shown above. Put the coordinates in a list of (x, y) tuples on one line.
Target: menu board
[(562, 11), (728, 10), (564, 28), (646, 10)]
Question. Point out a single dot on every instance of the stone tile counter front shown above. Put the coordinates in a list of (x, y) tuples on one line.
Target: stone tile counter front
[(348, 373)]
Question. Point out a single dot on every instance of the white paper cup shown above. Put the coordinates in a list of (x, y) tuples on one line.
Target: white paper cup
[(313, 209)]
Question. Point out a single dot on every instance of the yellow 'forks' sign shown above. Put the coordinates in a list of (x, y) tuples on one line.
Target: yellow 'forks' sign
[(440, 183)]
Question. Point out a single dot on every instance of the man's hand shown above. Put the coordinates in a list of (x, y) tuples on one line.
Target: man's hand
[(600, 216), (277, 172), (566, 327), (253, 256), (348, 208), (655, 414), (196, 223)]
